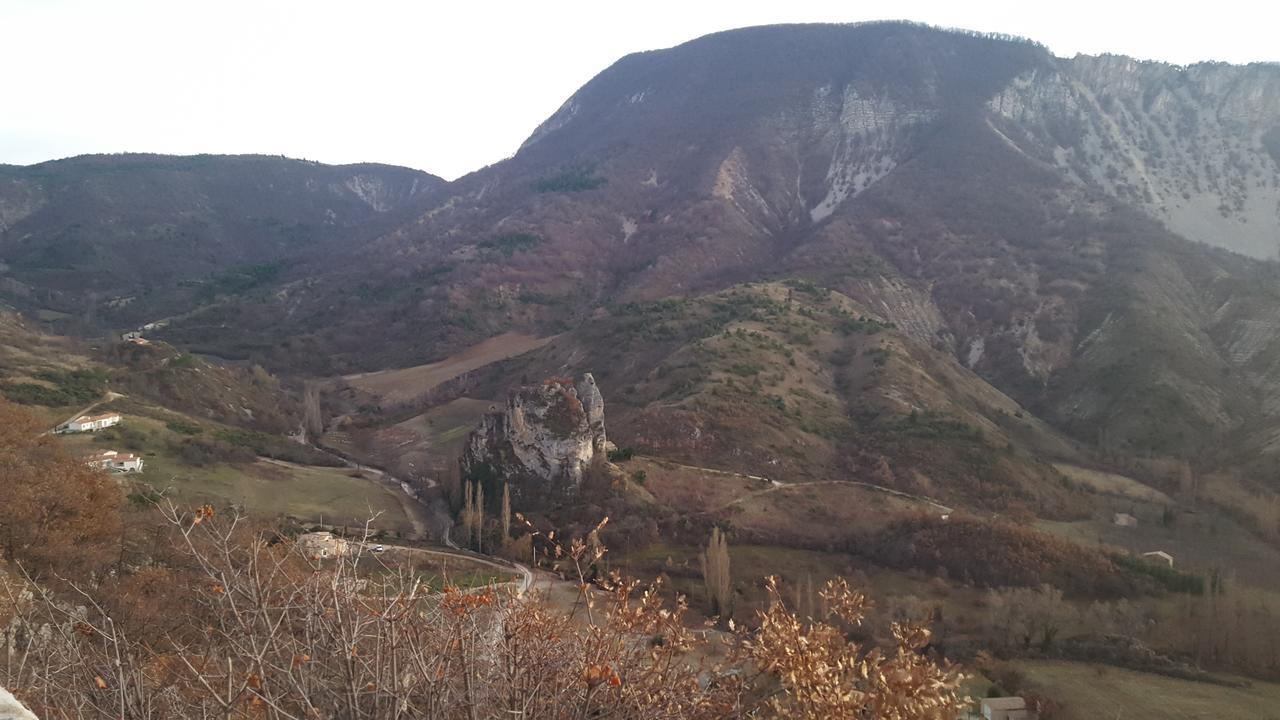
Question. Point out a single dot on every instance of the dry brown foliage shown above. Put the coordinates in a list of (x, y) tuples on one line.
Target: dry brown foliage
[(268, 633), (58, 517), (821, 674)]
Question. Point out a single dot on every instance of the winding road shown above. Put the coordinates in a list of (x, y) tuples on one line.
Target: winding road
[(424, 516)]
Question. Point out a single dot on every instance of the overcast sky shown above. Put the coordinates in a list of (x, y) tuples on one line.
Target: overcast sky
[(447, 90)]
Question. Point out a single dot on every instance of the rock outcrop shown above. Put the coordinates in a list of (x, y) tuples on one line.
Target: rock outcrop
[(542, 442)]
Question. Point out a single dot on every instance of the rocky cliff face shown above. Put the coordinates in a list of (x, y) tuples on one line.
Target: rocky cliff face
[(1197, 147), (542, 442), (18, 199)]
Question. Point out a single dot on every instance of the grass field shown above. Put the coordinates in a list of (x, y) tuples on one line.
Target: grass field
[(444, 429), (405, 384), (263, 487), (1199, 542), (423, 445), (688, 489), (819, 512), (1089, 692), (1112, 484)]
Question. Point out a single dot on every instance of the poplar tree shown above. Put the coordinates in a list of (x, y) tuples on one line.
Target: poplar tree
[(479, 517), (715, 573), (506, 513)]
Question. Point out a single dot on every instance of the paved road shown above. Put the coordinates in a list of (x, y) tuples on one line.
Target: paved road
[(106, 397), (434, 520)]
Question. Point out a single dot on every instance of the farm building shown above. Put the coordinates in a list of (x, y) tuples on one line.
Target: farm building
[(1006, 708), (319, 545), (92, 423), (1124, 520), (1158, 556), (113, 461)]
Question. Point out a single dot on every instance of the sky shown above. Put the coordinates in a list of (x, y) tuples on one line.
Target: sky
[(447, 87)]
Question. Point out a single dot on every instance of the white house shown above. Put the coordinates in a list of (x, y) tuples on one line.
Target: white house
[(319, 545), (113, 461), (1124, 520), (92, 423), (1005, 708)]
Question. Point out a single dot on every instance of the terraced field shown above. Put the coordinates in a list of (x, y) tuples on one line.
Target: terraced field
[(406, 384), (1091, 692)]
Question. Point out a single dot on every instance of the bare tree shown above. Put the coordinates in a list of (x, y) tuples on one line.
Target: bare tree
[(270, 633)]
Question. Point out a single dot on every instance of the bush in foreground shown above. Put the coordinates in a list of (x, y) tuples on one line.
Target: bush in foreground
[(265, 632)]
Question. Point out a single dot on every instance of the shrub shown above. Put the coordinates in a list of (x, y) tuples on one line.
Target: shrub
[(279, 448), (510, 243), (271, 628), (993, 553), (71, 387), (569, 180), (201, 452), (183, 427)]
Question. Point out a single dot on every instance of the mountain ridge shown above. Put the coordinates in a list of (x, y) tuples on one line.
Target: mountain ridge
[(137, 237), (980, 194)]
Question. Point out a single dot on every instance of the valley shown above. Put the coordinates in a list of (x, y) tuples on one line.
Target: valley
[(983, 331)]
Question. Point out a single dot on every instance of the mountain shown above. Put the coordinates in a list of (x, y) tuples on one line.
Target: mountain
[(934, 311), (1089, 237), (115, 241), (988, 199)]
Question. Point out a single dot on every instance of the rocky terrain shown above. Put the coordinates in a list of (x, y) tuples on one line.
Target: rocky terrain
[(543, 442)]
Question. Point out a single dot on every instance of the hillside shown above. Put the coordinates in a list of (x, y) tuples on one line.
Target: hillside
[(1026, 228), (1026, 225), (206, 432), (116, 241), (973, 325), (1036, 218)]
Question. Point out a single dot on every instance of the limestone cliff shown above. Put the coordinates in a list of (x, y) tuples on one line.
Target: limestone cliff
[(542, 442), (1195, 146)]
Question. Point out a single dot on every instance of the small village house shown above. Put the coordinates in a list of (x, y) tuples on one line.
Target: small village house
[(1124, 520), (92, 423), (320, 545), (1006, 708), (1158, 556), (113, 461)]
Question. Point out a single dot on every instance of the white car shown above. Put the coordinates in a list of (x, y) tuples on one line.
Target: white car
[(378, 548)]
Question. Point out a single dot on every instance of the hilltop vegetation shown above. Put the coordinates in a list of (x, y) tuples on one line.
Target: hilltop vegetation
[(117, 241)]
